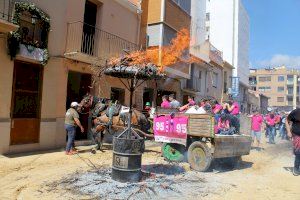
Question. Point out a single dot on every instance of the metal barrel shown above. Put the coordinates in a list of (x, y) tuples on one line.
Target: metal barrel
[(127, 159)]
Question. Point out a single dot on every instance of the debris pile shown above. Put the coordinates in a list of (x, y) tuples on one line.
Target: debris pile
[(159, 181)]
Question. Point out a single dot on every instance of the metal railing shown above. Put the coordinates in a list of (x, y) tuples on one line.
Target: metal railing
[(92, 41), (6, 10)]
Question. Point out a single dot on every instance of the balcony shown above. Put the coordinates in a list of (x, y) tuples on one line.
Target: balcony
[(208, 53), (6, 15), (91, 45), (252, 83)]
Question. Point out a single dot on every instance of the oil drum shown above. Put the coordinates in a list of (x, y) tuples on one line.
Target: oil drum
[(127, 159)]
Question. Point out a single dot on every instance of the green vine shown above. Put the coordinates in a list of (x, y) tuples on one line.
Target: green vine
[(15, 37)]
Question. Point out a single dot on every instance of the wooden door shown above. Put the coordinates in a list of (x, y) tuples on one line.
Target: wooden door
[(26, 103)]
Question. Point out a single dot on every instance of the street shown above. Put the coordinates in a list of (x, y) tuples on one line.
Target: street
[(53, 175)]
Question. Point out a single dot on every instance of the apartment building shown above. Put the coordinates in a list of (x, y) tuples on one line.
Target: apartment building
[(227, 27), (58, 43), (280, 84), (161, 21)]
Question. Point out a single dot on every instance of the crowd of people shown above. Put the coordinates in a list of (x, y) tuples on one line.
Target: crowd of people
[(226, 114)]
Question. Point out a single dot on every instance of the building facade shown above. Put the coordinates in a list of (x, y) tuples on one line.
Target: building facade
[(280, 85), (74, 37), (227, 27)]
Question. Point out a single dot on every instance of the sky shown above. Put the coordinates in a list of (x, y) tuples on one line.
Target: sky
[(274, 33)]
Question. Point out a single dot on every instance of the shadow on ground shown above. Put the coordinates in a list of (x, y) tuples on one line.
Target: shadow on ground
[(163, 169)]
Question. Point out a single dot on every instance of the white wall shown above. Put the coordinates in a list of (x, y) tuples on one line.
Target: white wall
[(198, 12), (229, 32)]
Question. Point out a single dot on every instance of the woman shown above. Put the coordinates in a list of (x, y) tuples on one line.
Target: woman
[(165, 102), (294, 133)]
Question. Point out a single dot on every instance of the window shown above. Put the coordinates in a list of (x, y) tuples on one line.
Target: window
[(280, 78), (280, 99), (264, 78), (225, 82), (280, 89), (215, 80), (118, 94), (290, 90), (207, 16), (31, 30), (264, 89), (290, 79)]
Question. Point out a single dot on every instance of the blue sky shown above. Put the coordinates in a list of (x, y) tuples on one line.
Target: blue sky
[(274, 32)]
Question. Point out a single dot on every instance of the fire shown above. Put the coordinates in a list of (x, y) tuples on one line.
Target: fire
[(162, 57)]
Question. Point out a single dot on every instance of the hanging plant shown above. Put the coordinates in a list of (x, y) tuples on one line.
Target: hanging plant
[(15, 37)]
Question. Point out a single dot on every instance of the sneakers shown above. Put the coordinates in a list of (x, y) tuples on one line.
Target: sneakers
[(296, 172)]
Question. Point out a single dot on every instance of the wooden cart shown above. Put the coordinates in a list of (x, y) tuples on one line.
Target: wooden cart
[(203, 145)]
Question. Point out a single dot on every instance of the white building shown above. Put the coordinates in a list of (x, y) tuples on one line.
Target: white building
[(227, 27)]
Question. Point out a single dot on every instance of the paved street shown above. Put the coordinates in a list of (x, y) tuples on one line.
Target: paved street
[(52, 175)]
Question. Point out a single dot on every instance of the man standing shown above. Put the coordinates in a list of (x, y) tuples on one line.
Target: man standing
[(173, 102), (256, 122), (271, 122), (71, 121), (294, 133)]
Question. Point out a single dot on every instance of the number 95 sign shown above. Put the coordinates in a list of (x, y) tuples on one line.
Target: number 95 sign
[(171, 130)]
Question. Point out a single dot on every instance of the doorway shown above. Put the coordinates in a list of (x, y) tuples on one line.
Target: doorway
[(78, 86), (89, 28), (26, 103), (148, 96), (118, 94)]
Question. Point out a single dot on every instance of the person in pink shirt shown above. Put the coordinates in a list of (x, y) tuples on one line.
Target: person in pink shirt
[(223, 126), (165, 103), (256, 122), (191, 101), (271, 122), (233, 108)]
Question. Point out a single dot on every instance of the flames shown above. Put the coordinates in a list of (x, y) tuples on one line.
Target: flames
[(176, 52)]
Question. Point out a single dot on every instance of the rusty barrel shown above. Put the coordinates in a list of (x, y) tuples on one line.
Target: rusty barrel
[(127, 159)]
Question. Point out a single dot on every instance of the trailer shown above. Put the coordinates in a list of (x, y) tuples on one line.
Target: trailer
[(197, 142)]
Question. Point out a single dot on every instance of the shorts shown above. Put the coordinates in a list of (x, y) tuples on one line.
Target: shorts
[(256, 134)]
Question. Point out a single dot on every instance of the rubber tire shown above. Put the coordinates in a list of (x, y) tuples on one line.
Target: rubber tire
[(180, 150), (203, 149)]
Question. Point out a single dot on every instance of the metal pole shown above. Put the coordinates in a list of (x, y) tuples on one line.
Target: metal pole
[(131, 87)]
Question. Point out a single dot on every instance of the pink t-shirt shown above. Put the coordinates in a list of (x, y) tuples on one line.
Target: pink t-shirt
[(218, 108), (236, 109), (256, 122), (192, 102), (222, 125), (165, 104), (270, 121)]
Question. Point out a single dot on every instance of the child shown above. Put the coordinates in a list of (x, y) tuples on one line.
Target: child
[(223, 125)]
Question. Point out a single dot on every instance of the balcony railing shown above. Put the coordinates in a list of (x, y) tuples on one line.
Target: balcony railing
[(91, 41), (207, 51), (6, 10)]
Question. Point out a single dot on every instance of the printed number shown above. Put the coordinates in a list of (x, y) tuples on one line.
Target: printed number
[(181, 128), (160, 126)]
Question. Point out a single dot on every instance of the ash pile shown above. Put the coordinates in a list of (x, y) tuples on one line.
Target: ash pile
[(159, 181)]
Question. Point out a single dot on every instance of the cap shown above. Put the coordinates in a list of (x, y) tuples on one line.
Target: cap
[(147, 103), (74, 104)]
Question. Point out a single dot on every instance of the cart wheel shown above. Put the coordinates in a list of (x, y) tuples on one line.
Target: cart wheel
[(173, 152), (199, 156)]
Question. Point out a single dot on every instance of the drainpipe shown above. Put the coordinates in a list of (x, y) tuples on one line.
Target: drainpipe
[(295, 92)]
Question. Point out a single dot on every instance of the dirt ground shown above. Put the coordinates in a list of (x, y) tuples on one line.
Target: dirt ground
[(263, 174)]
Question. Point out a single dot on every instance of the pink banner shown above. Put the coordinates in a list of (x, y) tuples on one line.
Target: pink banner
[(170, 130)]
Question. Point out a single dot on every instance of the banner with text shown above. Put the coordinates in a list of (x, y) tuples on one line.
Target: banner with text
[(170, 130)]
